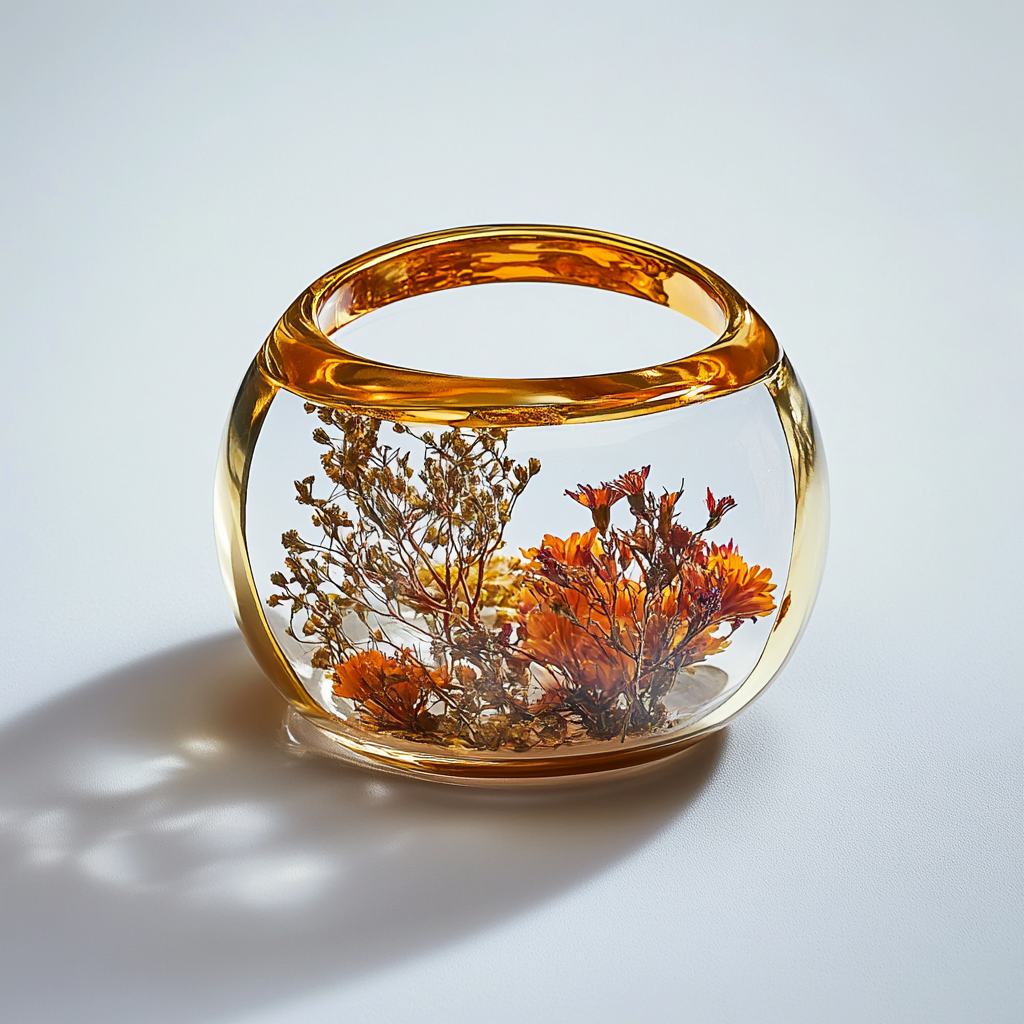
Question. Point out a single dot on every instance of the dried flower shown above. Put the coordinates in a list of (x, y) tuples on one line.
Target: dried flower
[(599, 500), (717, 509), (432, 632), (747, 589), (634, 481), (390, 692)]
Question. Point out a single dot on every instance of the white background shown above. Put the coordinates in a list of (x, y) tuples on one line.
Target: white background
[(173, 175)]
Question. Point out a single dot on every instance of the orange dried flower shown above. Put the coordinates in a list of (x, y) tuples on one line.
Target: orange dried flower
[(578, 549), (391, 691), (747, 591), (599, 500), (582, 662)]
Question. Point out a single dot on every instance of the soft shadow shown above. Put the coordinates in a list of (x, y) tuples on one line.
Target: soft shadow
[(163, 859)]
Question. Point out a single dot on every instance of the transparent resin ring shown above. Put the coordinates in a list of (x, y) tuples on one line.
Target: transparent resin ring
[(498, 581)]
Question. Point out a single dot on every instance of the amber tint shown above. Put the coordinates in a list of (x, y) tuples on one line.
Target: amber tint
[(302, 356)]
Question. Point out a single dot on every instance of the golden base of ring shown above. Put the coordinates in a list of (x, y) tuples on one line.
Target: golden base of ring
[(305, 737)]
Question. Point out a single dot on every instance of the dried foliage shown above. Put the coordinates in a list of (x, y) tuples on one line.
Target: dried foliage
[(432, 632)]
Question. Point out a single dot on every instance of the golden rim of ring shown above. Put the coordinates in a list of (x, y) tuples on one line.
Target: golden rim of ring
[(301, 353)]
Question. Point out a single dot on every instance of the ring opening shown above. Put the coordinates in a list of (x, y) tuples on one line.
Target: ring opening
[(522, 329)]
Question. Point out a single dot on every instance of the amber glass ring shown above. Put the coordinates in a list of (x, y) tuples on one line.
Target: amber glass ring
[(414, 560)]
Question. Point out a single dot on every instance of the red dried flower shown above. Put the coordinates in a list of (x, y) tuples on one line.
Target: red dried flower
[(679, 538), (634, 481), (717, 509)]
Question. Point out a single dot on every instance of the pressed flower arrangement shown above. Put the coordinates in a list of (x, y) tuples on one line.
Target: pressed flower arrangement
[(431, 630)]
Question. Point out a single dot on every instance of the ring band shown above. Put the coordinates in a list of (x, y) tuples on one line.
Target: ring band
[(301, 357)]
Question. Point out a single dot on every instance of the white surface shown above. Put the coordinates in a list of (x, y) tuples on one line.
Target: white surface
[(172, 176)]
